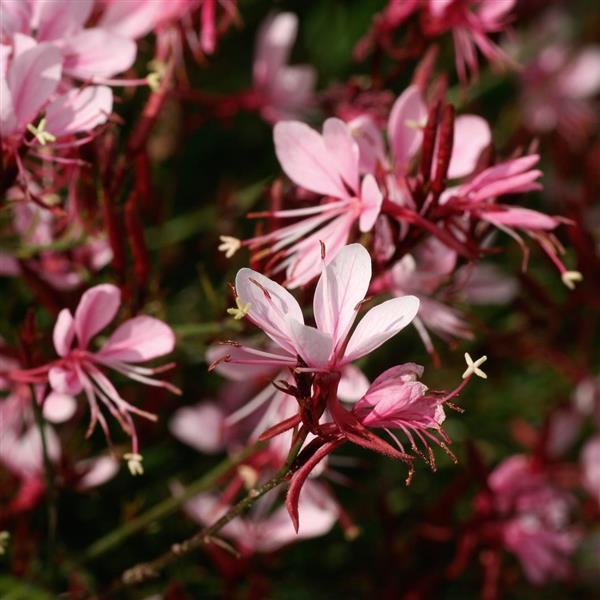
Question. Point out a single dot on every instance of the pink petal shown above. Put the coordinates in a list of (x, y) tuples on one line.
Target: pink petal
[(305, 160), (32, 77), (64, 380), (343, 285), (371, 199), (343, 149), (370, 143), (405, 126), (353, 384), (16, 18), (492, 11), (8, 118), (520, 217), (270, 305), (504, 170), (471, 136), (58, 407), (134, 18), (139, 339), (380, 324), (590, 464), (97, 471), (275, 39), (64, 330), (290, 93), (86, 54), (54, 20), (79, 110), (97, 308), (200, 426), (581, 78), (312, 345)]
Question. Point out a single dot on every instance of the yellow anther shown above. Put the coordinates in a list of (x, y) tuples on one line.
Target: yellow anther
[(154, 80), (134, 463), (230, 245), (40, 133), (473, 367), (240, 311), (570, 278)]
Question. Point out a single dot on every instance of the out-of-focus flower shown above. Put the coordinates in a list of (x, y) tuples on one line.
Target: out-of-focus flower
[(590, 466), (284, 91), (534, 518), (558, 87), (79, 369)]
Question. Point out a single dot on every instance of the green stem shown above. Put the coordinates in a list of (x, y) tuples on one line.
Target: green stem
[(145, 571), (167, 506)]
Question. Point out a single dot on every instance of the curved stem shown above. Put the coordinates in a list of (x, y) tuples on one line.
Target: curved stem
[(144, 571), (167, 506)]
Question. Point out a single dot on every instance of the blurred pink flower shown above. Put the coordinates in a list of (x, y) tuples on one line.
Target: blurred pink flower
[(284, 91), (590, 466), (535, 513)]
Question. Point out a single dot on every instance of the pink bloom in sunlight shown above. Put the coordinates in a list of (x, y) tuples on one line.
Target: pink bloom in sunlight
[(80, 370), (338, 297), (535, 518), (327, 165), (29, 85), (285, 92)]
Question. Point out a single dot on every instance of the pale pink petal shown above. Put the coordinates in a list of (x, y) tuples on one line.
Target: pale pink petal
[(380, 324), (16, 17), (353, 384), (79, 110), (97, 308), (97, 53), (343, 149), (270, 305), (8, 117), (63, 333), (200, 426), (492, 11), (371, 199), (134, 18), (437, 8), (275, 39), (405, 124), (590, 464), (139, 339), (96, 471), (370, 143), (54, 20), (290, 93), (343, 285), (471, 136), (305, 160), (64, 380), (581, 78), (312, 345), (58, 407), (32, 77), (524, 218)]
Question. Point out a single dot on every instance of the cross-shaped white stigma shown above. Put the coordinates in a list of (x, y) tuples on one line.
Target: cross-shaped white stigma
[(240, 311), (473, 367), (230, 245), (134, 463), (40, 133)]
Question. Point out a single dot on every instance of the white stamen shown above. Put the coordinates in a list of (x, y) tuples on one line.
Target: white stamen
[(248, 475), (134, 463), (473, 367), (240, 311), (4, 539), (230, 245), (570, 278)]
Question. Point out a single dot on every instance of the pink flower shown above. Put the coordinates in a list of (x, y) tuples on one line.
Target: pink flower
[(79, 369), (338, 296), (535, 517), (29, 87), (285, 91), (327, 165)]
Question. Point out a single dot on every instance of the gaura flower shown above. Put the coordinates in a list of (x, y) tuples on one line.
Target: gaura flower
[(80, 369), (338, 297), (326, 164)]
